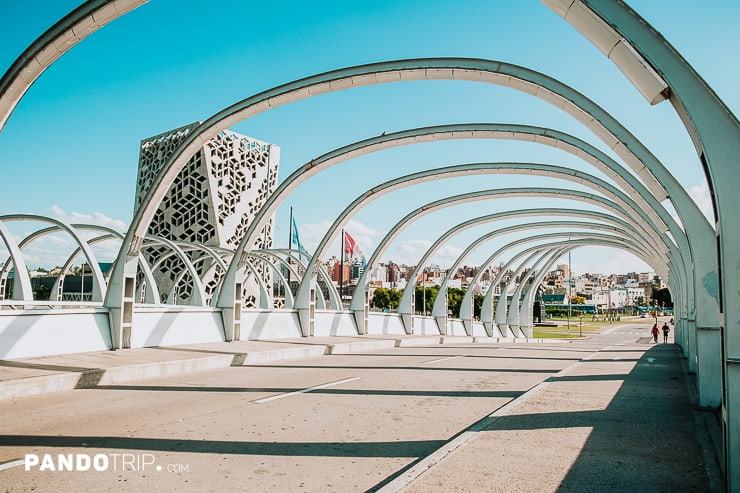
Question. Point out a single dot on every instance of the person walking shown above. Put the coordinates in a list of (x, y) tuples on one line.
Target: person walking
[(654, 332), (666, 330)]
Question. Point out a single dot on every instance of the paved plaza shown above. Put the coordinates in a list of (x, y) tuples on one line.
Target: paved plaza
[(612, 412)]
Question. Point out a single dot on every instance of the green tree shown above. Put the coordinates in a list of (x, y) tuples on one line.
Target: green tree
[(477, 305), (454, 300), (381, 299), (386, 298), (428, 294)]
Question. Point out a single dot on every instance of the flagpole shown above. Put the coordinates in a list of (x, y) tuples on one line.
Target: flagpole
[(290, 230), (341, 275)]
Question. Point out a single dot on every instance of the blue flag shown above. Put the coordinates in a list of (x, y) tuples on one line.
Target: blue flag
[(297, 241)]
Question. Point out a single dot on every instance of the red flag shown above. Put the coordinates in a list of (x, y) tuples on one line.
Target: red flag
[(349, 244)]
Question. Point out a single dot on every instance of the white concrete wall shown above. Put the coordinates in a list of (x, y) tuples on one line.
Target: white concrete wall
[(455, 327), (425, 326), (384, 323), (32, 333), (265, 324), (479, 330), (331, 323), (171, 325)]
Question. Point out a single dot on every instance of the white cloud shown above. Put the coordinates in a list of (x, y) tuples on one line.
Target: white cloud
[(410, 252), (702, 197), (97, 218), (604, 260), (312, 234)]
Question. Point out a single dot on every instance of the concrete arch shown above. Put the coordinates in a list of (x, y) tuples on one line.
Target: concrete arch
[(298, 257), (405, 308), (527, 304), (487, 313), (649, 203), (263, 255), (333, 293), (358, 299), (58, 286), (79, 24), (421, 177), (480, 70), (22, 281), (439, 311), (466, 313), (540, 135), (513, 312), (617, 30), (82, 227), (55, 42), (199, 294), (99, 285)]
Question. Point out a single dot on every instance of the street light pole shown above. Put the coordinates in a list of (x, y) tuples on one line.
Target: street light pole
[(570, 288)]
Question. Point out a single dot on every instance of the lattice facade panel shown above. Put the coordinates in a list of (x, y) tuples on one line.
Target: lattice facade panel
[(211, 202)]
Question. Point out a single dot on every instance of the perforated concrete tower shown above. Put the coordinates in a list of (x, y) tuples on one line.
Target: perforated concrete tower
[(211, 202)]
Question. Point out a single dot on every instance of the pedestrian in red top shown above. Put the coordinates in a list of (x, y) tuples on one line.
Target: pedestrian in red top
[(654, 332)]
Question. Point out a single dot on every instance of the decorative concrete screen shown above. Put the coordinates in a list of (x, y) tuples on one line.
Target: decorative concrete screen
[(211, 203)]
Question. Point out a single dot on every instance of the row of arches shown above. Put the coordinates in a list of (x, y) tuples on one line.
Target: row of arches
[(694, 256)]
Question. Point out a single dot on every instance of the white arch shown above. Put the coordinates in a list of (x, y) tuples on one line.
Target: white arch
[(466, 314), (527, 304), (439, 311), (480, 70), (421, 177), (513, 314), (99, 285), (715, 132), (55, 42)]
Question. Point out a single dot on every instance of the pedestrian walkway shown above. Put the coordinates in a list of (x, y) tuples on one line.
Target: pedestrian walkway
[(622, 419)]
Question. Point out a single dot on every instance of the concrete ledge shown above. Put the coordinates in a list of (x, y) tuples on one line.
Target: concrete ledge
[(26, 387), (485, 340), (508, 340), (418, 341), (129, 373), (456, 340), (283, 354), (361, 346)]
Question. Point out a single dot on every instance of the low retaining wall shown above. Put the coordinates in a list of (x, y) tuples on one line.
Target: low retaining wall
[(176, 325), (331, 323), (266, 324), (384, 323), (32, 333)]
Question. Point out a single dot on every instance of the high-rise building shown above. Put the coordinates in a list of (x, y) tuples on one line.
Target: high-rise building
[(211, 202)]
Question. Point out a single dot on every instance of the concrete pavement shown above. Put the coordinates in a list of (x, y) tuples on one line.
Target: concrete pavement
[(623, 418), (610, 413), (33, 376)]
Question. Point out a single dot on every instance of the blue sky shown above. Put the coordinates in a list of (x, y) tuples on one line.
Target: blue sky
[(70, 149)]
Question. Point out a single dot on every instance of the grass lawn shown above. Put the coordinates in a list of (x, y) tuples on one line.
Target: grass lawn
[(562, 332)]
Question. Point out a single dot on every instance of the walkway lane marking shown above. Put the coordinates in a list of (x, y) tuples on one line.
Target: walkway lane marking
[(303, 391), (443, 359), (12, 463)]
